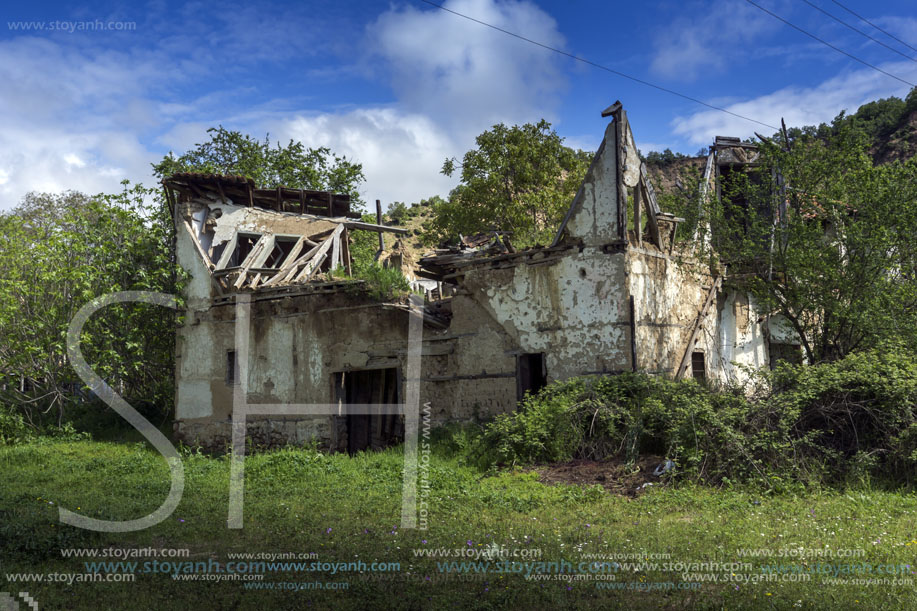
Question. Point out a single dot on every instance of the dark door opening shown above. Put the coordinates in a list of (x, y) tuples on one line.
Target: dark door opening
[(531, 374), (369, 431)]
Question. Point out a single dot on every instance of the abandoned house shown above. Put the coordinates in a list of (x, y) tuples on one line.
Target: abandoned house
[(606, 296)]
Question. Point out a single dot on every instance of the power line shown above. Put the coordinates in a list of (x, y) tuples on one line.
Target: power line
[(864, 20), (599, 66), (826, 43), (860, 32)]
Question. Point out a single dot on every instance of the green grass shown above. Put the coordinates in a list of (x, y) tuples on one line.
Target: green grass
[(348, 508)]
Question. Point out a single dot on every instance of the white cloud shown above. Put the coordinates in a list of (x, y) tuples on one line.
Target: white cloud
[(71, 120), (401, 153), (904, 28), (797, 105), (709, 40), (467, 75), (84, 117)]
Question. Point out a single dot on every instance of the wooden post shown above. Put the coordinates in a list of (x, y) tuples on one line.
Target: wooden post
[(621, 194), (638, 221), (698, 322), (345, 246), (379, 222), (633, 333)]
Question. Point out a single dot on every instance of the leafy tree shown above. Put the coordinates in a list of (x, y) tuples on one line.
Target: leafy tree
[(665, 158), (60, 251), (269, 165), (821, 235), (518, 179), (293, 165), (398, 212)]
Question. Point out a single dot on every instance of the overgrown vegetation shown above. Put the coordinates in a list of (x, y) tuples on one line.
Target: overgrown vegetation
[(850, 420), (347, 509), (268, 164), (60, 251), (518, 179), (819, 234)]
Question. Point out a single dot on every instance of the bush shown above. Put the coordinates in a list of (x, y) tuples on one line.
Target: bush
[(13, 428), (383, 283), (852, 419)]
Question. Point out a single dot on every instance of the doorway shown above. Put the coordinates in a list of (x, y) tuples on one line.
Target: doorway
[(362, 432)]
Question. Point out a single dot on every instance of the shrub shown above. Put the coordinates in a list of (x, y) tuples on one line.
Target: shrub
[(848, 420), (383, 283), (13, 428)]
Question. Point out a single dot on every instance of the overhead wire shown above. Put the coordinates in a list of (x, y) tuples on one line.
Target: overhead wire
[(828, 44), (868, 22), (600, 66), (860, 32)]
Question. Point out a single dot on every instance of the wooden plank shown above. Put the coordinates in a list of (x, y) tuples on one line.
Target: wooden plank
[(379, 222), (345, 244), (371, 227), (250, 261), (294, 252), (335, 250), (319, 256), (651, 193), (267, 248), (652, 207), (312, 266), (228, 250), (289, 269), (197, 245), (638, 221), (698, 322), (266, 251)]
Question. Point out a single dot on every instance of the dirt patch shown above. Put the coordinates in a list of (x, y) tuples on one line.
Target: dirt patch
[(615, 475)]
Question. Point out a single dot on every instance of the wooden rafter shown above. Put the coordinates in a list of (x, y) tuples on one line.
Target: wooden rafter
[(197, 245), (319, 257), (228, 250), (251, 259)]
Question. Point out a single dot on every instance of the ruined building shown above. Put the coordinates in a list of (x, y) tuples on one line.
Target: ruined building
[(606, 296)]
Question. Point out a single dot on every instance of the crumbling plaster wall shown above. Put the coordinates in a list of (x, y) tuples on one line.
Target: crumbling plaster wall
[(574, 310), (667, 300), (593, 216), (297, 343), (741, 341)]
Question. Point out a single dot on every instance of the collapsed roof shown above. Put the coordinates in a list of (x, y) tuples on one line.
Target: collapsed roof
[(256, 239)]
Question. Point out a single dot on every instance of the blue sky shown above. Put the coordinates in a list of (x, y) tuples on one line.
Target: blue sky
[(399, 86)]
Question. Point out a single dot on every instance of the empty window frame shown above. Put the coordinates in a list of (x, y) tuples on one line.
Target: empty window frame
[(791, 353), (232, 368), (243, 246), (283, 246), (698, 366), (531, 373)]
